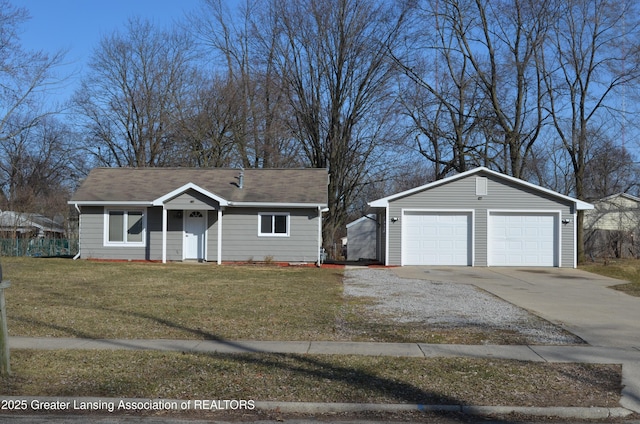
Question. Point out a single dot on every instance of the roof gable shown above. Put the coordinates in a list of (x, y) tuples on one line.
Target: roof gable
[(189, 186), (369, 217), (153, 186), (384, 202), (13, 220), (614, 197)]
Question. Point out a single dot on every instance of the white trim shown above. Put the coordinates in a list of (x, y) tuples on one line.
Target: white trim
[(555, 212), (223, 202), (189, 186), (132, 204), (274, 234), (277, 205), (470, 212), (124, 243), (385, 200)]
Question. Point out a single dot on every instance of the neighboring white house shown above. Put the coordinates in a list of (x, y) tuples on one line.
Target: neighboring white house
[(611, 228), (361, 238), (618, 212), (28, 225)]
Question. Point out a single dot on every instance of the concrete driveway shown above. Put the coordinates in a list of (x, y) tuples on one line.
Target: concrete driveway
[(579, 301)]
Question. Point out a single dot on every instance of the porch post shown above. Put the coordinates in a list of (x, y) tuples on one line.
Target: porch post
[(219, 235), (164, 234)]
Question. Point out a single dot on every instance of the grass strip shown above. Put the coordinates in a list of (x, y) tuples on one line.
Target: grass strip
[(622, 269), (310, 378)]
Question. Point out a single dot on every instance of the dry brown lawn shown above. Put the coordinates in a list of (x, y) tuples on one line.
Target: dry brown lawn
[(623, 269), (65, 298)]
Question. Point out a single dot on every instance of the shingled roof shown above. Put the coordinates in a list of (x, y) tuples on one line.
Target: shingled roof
[(290, 186)]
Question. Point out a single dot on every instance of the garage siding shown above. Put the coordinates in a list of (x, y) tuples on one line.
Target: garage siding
[(461, 194)]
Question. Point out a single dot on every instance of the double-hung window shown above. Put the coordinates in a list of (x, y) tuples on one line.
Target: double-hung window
[(273, 224), (125, 227)]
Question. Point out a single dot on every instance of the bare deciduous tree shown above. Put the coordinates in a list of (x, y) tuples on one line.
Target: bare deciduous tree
[(501, 39), (128, 100), (253, 87), (24, 76), (442, 96), (583, 70), (332, 57), (36, 168)]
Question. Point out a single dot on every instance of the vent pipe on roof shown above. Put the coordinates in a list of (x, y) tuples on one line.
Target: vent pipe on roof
[(241, 178)]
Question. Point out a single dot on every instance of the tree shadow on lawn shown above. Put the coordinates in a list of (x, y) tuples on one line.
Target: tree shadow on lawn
[(365, 385)]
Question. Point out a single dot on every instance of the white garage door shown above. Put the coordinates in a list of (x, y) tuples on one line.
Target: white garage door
[(523, 239), (436, 238)]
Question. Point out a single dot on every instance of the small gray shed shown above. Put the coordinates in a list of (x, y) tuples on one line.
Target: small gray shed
[(361, 238), (478, 218)]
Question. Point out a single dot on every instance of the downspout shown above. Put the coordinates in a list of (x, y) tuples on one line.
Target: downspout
[(77, 256), (219, 260), (386, 236), (319, 263), (575, 238)]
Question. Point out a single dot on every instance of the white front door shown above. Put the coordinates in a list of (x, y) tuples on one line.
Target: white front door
[(194, 234)]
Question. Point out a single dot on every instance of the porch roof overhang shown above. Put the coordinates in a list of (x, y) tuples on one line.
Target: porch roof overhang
[(189, 186)]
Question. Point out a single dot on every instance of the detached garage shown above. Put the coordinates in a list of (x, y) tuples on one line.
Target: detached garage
[(478, 218)]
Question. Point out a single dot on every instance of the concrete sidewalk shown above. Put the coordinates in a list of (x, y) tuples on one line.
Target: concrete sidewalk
[(629, 357)]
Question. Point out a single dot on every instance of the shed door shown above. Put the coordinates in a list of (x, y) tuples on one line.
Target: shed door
[(437, 238), (523, 239)]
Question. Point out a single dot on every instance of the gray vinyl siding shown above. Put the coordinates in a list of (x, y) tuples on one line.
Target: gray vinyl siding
[(92, 236), (501, 195), (192, 200), (175, 236), (240, 240)]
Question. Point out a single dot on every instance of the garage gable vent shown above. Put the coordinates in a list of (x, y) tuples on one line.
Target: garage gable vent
[(481, 186)]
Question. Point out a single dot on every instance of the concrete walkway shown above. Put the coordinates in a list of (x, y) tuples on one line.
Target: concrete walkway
[(629, 357)]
